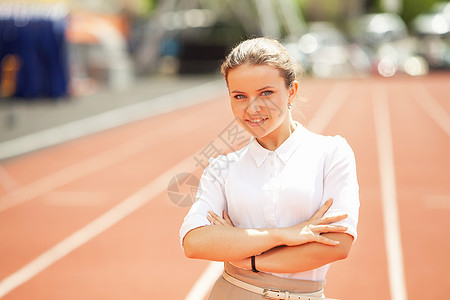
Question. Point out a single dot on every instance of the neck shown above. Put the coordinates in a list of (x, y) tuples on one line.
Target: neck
[(274, 139)]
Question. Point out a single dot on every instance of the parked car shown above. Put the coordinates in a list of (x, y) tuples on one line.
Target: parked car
[(392, 48), (433, 31), (325, 52), (196, 40)]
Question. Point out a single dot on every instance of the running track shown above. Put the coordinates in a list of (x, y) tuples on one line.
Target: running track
[(91, 218)]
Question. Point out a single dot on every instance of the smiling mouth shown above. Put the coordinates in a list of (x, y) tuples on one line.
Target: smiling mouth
[(256, 122)]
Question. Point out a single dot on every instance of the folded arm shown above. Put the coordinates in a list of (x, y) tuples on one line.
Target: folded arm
[(224, 242), (300, 258)]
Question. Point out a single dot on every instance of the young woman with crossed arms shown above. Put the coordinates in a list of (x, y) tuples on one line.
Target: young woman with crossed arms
[(284, 207)]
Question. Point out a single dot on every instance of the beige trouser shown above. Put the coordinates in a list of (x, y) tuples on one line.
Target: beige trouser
[(224, 290)]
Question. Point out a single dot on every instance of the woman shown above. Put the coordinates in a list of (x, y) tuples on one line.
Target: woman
[(280, 210)]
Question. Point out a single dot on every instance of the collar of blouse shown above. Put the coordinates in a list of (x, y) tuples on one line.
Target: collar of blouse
[(284, 151)]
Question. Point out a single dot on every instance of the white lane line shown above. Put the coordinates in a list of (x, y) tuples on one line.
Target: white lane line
[(110, 119), (319, 121), (329, 107), (389, 194), (205, 281), (432, 107), (91, 165), (6, 180), (76, 198), (96, 227)]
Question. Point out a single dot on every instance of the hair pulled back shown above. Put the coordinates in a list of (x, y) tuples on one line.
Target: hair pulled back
[(262, 51)]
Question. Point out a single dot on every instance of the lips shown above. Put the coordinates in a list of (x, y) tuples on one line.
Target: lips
[(256, 122)]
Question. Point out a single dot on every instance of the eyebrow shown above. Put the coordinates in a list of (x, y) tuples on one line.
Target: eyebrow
[(258, 90)]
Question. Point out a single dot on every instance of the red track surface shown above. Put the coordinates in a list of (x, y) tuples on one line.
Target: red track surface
[(140, 257)]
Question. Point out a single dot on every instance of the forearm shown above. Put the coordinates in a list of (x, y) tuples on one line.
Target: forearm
[(303, 257), (223, 243)]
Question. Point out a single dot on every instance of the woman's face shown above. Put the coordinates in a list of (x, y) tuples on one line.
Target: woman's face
[(259, 100)]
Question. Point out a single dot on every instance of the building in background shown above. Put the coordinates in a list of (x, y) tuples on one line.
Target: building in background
[(111, 43)]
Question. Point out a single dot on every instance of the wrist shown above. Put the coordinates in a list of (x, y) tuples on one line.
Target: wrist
[(292, 236), (248, 263), (243, 263), (280, 236)]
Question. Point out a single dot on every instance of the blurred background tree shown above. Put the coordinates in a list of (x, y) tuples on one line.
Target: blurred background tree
[(331, 10), (412, 8), (339, 10)]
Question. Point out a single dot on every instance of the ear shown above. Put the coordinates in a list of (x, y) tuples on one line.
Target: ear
[(293, 89)]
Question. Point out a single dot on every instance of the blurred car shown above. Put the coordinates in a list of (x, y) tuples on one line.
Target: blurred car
[(324, 52), (433, 31), (196, 40), (376, 29), (392, 48)]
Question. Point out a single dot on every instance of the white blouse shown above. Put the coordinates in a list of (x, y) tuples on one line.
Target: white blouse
[(267, 189)]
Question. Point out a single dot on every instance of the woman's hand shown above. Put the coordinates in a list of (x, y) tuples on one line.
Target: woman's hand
[(225, 220), (310, 231)]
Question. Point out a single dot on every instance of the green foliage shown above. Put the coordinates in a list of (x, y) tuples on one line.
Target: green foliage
[(148, 6), (328, 8), (412, 8)]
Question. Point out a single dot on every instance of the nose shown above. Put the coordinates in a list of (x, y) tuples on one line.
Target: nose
[(254, 106)]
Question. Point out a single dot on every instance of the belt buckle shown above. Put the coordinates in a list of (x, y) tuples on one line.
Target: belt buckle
[(281, 294)]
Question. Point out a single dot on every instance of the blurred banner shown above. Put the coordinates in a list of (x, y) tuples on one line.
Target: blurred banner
[(33, 50)]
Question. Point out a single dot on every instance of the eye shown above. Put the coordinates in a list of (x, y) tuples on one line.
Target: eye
[(266, 93), (239, 97)]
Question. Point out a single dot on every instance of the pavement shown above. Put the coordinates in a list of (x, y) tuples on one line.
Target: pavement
[(91, 218), (20, 118)]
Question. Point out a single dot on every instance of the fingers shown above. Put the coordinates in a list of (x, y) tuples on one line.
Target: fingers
[(331, 219), (210, 218), (328, 228), (227, 218), (215, 219), (323, 209), (311, 233), (323, 240)]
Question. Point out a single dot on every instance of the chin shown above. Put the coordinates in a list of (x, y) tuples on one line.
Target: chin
[(257, 133)]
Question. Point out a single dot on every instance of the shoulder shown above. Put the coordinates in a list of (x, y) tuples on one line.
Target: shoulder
[(337, 157), (219, 166), (229, 158), (327, 143), (332, 148), (338, 144)]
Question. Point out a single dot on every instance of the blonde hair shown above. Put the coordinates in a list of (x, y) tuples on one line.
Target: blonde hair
[(262, 51)]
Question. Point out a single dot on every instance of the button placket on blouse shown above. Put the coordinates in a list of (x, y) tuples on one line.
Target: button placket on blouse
[(274, 195), (271, 159)]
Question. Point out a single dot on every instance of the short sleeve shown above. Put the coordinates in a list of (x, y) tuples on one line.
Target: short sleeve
[(340, 183), (210, 196)]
